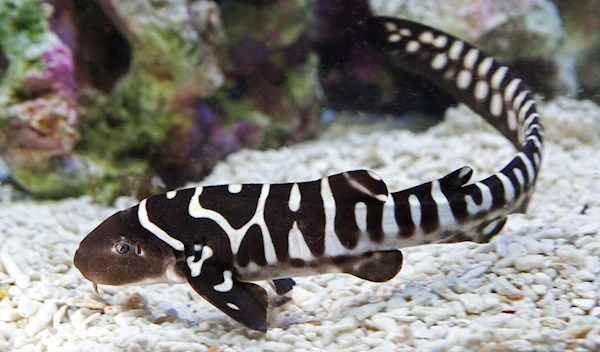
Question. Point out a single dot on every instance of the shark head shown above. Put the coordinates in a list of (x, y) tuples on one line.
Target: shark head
[(121, 252)]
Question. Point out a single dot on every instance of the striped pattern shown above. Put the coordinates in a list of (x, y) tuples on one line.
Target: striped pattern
[(218, 237)]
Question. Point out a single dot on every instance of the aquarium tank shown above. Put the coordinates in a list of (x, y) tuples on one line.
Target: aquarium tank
[(299, 175)]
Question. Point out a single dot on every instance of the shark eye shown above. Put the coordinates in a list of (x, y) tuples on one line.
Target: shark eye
[(138, 248), (122, 247)]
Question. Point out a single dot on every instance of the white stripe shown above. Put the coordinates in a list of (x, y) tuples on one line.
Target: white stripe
[(511, 119), (498, 77), (171, 194), (415, 210), (445, 215), (496, 104), (426, 37), (360, 214), (196, 267), (389, 224), (456, 50), (295, 198), (440, 41), (486, 200), (233, 306), (297, 244), (394, 37), (439, 61), (155, 230), (227, 283), (481, 90), (519, 100), (333, 246), (484, 66), (528, 166), (520, 178), (509, 189), (537, 158), (523, 110), (412, 46), (464, 79), (511, 89), (359, 187), (471, 58), (390, 26)]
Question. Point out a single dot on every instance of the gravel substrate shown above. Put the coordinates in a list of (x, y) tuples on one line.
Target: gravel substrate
[(534, 287)]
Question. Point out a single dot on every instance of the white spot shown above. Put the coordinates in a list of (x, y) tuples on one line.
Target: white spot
[(426, 37), (393, 38), (489, 227), (297, 244), (440, 41), (511, 89), (333, 246), (486, 203), (509, 189), (360, 214), (227, 283), (233, 306), (171, 194), (445, 215), (233, 189), (496, 104), (155, 230), (439, 61), (456, 49), (415, 209), (196, 267), (523, 110), (295, 198), (481, 90), (498, 77), (374, 176), (236, 235), (464, 79), (519, 100), (471, 58), (484, 66), (405, 32), (412, 46), (390, 26)]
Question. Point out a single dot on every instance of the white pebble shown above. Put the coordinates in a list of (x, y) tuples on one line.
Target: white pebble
[(571, 255), (8, 314), (41, 319), (584, 303), (12, 269), (530, 262), (27, 308)]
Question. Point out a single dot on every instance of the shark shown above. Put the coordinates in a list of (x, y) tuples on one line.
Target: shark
[(222, 239)]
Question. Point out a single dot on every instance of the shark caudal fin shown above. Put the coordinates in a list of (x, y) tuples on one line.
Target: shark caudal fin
[(439, 211)]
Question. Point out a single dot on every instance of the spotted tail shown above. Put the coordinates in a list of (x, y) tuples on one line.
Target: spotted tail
[(478, 210)]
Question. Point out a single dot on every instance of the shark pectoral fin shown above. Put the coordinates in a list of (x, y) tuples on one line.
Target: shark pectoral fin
[(376, 266), (283, 286), (243, 301)]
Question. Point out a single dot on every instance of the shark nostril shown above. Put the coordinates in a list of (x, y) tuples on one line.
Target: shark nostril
[(138, 248)]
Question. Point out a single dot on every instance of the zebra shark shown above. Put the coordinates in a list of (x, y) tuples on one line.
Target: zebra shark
[(220, 238)]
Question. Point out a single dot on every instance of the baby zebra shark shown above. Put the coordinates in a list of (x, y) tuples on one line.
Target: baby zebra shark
[(220, 238)]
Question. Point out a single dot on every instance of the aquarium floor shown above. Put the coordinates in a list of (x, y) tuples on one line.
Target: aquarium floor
[(534, 287)]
